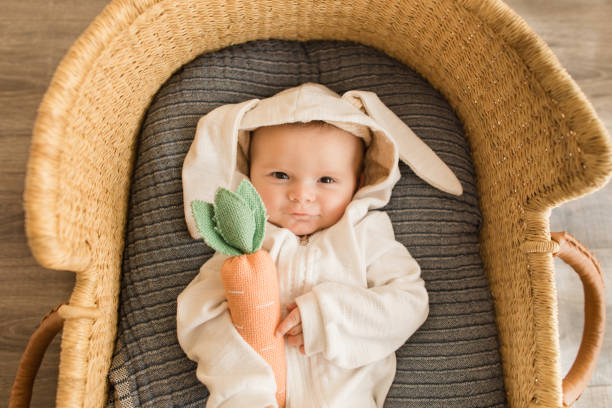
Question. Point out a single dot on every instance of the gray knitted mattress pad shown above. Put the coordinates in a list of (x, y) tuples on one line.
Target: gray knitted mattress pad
[(451, 361)]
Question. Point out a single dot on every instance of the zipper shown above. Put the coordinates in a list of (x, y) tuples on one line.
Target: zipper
[(300, 367)]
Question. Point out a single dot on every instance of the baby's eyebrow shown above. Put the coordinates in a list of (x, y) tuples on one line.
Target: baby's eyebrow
[(272, 167), (331, 172)]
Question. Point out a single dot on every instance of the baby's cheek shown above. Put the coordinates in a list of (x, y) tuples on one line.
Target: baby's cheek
[(268, 203), (274, 219), (337, 207)]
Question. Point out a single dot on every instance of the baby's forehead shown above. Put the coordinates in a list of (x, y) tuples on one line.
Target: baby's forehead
[(310, 137), (312, 125), (331, 134), (322, 143)]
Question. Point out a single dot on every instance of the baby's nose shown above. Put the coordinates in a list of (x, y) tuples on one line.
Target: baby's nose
[(301, 192)]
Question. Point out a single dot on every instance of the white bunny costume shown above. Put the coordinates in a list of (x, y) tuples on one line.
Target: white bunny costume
[(359, 291)]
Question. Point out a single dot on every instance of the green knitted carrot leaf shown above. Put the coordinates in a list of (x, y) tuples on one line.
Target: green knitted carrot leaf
[(248, 192), (203, 213), (235, 223)]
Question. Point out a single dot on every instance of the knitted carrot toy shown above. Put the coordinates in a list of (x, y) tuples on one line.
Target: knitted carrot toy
[(234, 225)]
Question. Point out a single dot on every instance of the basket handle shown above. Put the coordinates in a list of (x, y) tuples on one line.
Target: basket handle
[(21, 392), (589, 271)]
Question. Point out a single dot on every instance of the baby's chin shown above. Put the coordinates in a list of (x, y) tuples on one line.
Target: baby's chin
[(299, 228), (302, 229)]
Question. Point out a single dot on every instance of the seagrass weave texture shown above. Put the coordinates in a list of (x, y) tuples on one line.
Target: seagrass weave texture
[(535, 141)]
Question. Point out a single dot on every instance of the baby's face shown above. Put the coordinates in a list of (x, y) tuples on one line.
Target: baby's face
[(306, 176)]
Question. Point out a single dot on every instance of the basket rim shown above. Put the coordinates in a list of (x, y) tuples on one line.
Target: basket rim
[(117, 16)]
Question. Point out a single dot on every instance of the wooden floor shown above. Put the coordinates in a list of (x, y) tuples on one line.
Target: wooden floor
[(35, 34)]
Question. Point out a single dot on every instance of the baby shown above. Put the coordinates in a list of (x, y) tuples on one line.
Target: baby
[(322, 164)]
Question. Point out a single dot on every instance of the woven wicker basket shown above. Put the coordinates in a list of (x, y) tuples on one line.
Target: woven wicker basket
[(536, 142)]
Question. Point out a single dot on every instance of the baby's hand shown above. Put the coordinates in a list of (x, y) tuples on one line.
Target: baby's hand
[(292, 326)]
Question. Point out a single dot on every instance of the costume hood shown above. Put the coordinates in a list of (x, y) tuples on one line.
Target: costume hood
[(218, 156)]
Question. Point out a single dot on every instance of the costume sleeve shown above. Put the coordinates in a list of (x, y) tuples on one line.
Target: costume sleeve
[(353, 326), (235, 375)]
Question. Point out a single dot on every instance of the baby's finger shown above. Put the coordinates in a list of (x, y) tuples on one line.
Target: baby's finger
[(297, 341), (291, 306), (292, 320), (295, 330)]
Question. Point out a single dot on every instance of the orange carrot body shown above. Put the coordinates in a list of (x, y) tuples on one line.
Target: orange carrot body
[(251, 288)]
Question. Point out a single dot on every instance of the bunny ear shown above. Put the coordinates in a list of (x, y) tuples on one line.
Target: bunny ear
[(412, 150)]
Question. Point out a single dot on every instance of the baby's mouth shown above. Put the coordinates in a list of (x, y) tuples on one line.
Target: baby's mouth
[(301, 214)]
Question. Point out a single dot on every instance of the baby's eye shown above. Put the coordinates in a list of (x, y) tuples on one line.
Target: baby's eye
[(280, 175), (326, 180)]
